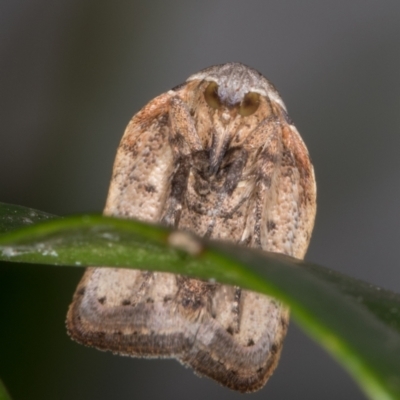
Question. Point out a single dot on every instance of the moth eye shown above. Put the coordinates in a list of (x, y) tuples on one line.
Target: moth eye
[(250, 104), (211, 96)]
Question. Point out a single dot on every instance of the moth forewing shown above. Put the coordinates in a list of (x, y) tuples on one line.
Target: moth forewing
[(217, 156), (143, 165)]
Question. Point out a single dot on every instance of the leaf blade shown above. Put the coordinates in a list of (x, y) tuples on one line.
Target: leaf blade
[(358, 333)]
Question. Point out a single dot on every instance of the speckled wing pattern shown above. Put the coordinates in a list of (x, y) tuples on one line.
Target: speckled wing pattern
[(217, 156)]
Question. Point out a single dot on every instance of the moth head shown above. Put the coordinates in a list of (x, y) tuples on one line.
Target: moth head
[(232, 100), (218, 98), (235, 88)]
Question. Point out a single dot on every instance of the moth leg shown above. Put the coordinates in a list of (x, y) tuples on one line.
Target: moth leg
[(235, 159), (269, 168), (265, 175), (179, 181), (184, 142), (183, 136)]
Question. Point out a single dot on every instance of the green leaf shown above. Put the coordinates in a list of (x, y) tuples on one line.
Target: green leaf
[(13, 217), (357, 322), (3, 392)]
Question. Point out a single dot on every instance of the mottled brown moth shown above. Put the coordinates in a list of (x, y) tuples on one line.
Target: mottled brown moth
[(218, 156)]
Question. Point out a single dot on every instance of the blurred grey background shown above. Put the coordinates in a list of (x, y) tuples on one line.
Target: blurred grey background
[(73, 72)]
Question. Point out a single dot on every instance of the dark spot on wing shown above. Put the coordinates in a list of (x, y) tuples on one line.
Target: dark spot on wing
[(230, 330), (150, 188), (126, 302), (81, 291), (102, 300), (271, 225)]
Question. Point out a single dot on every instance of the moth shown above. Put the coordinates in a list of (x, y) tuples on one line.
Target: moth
[(218, 156)]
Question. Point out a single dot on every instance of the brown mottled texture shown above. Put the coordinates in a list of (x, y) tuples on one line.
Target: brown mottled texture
[(218, 156)]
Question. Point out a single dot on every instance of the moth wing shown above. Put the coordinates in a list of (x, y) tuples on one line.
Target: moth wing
[(139, 185), (284, 205), (145, 314), (129, 312), (143, 165), (288, 212), (242, 357), (245, 359)]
